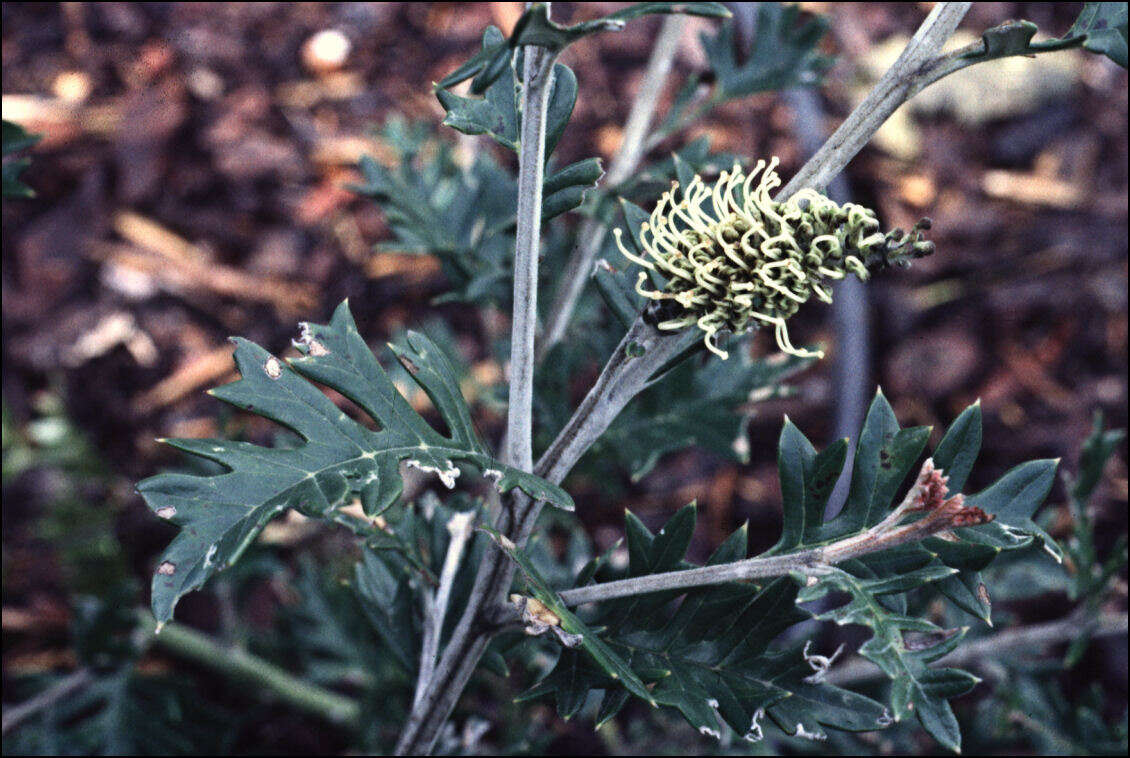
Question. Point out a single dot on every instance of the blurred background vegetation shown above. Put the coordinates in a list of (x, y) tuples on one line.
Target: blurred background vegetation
[(190, 185)]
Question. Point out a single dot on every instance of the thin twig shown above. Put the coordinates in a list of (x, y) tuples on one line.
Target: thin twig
[(262, 675), (908, 75), (888, 533), (460, 529), (624, 162), (989, 648), (623, 377), (632, 147), (63, 689), (231, 661), (805, 561)]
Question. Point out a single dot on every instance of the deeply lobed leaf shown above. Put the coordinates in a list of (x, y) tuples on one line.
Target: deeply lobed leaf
[(711, 655), (338, 459), (463, 215)]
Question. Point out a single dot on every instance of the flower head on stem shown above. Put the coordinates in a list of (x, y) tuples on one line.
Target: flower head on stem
[(736, 259)]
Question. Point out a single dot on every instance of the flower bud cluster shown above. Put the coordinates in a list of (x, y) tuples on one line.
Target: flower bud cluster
[(734, 259)]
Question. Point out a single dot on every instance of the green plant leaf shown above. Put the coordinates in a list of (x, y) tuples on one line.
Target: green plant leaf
[(536, 28), (711, 653), (783, 53), (955, 455), (1100, 28), (129, 712), (1105, 25), (1097, 450), (888, 648), (221, 515), (806, 477), (884, 457), (638, 10), (968, 591), (497, 114), (615, 288), (1015, 38), (486, 65), (16, 139), (696, 405), (565, 190), (600, 653), (958, 450), (1014, 498), (385, 597), (1092, 576), (709, 657), (462, 215)]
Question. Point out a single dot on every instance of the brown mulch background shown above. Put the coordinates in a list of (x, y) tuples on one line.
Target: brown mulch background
[(190, 188)]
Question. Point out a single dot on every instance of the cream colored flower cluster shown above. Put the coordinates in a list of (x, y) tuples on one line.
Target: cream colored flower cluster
[(735, 259)]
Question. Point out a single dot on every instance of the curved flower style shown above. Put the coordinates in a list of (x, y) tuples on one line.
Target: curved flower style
[(736, 259)]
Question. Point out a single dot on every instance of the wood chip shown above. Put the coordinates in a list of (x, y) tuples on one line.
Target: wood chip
[(1031, 189), (199, 371)]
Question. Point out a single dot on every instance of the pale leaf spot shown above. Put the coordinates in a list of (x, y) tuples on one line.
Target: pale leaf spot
[(816, 736), (446, 475), (306, 339), (755, 734)]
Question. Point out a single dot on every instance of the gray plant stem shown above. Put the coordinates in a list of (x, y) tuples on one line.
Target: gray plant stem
[(633, 146), (915, 68), (621, 379), (435, 698), (1029, 638), (537, 81), (256, 673), (626, 160), (811, 561), (805, 562), (851, 316), (460, 527), (230, 661), (62, 690)]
